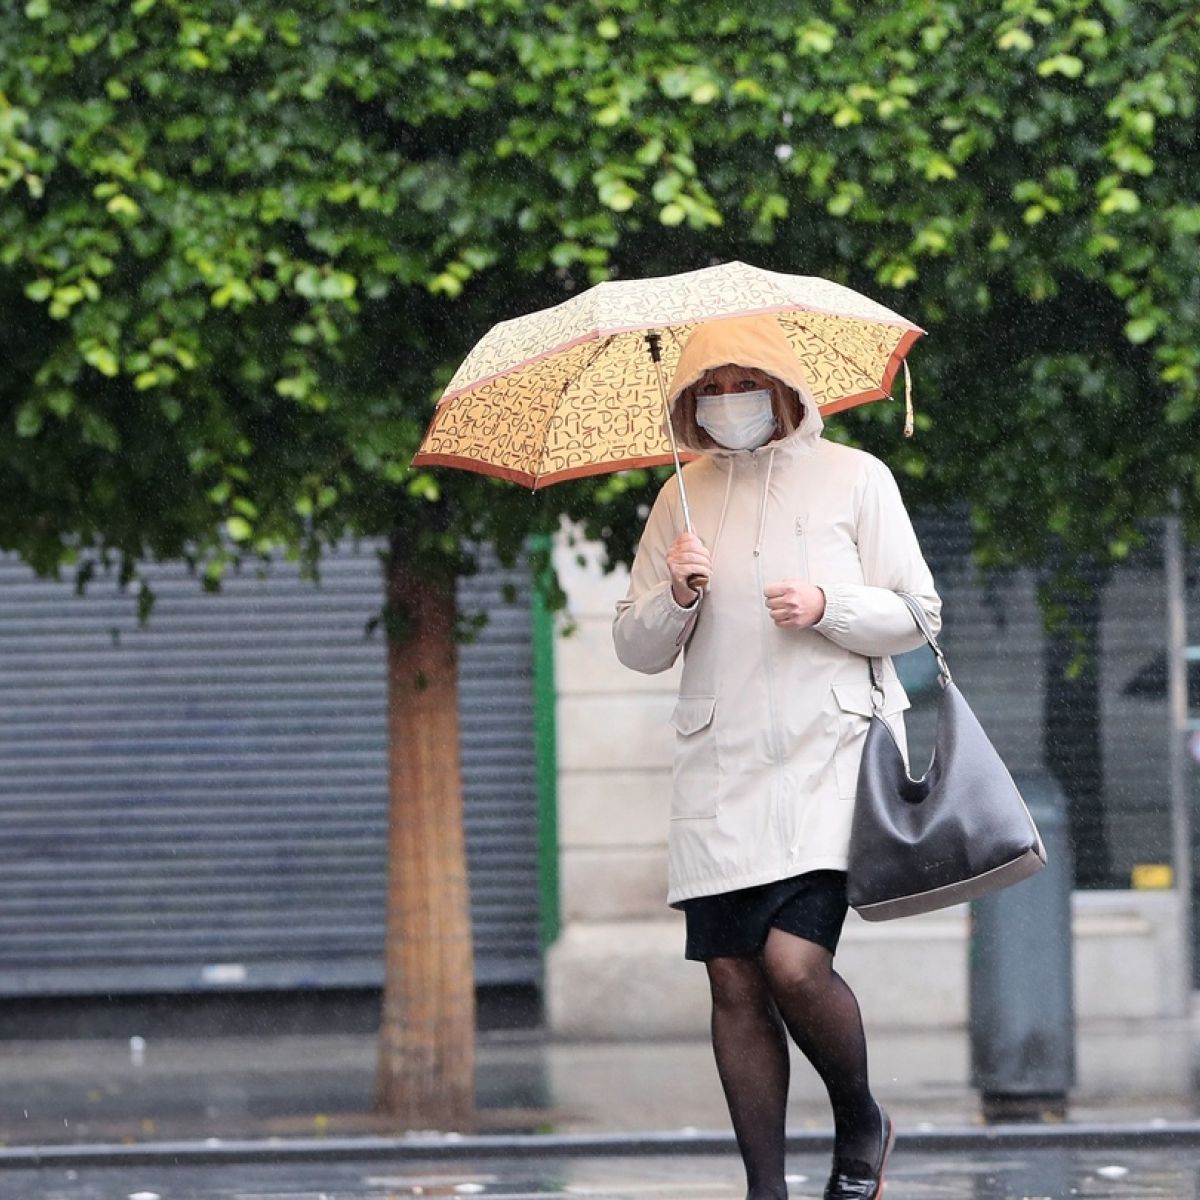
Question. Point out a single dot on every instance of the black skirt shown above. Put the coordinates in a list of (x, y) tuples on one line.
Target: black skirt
[(811, 905)]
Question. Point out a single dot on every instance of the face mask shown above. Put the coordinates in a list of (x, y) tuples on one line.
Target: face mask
[(737, 420)]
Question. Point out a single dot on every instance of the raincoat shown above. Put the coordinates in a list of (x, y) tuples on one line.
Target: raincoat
[(770, 722)]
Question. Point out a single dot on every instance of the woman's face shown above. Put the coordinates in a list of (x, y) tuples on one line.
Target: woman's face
[(719, 381)]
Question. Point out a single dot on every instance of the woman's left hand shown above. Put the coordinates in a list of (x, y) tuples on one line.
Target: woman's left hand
[(794, 604)]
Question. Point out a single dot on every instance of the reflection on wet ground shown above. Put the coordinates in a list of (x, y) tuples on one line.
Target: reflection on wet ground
[(310, 1085), (1044, 1174)]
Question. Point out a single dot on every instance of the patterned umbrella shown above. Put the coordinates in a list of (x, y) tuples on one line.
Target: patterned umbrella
[(577, 389)]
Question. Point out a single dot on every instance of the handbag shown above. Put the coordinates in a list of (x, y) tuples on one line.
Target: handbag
[(959, 832)]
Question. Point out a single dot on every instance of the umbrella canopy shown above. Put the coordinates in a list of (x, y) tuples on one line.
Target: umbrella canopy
[(573, 390)]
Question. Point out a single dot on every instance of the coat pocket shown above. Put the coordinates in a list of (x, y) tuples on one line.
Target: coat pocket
[(695, 774), (854, 711)]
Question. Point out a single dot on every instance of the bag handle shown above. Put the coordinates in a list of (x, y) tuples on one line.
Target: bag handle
[(918, 615)]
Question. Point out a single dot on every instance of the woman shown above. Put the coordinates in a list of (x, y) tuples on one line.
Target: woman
[(803, 543)]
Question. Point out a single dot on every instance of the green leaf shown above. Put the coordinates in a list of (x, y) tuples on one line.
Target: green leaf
[(102, 358), (815, 37), (239, 529), (620, 197), (1015, 39), (29, 420), (1061, 64), (1141, 329), (424, 485), (649, 152), (1120, 200), (124, 206)]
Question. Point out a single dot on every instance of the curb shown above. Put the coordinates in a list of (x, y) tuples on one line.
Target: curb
[(218, 1151)]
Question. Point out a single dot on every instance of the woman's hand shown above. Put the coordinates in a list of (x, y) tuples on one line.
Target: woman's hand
[(688, 558), (794, 604)]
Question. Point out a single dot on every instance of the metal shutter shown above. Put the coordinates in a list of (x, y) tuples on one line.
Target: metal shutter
[(994, 643), (992, 636), (202, 803), (495, 703)]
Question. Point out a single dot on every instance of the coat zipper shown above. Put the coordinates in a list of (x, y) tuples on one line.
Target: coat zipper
[(802, 538)]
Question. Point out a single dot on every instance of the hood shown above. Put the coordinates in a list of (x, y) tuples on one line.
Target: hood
[(756, 341)]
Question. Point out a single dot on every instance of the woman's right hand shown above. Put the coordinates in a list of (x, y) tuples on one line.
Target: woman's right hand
[(690, 566)]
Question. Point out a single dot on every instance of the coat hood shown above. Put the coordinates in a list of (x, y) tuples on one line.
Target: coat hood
[(755, 341)]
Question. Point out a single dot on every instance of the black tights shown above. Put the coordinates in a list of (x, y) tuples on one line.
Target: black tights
[(789, 987)]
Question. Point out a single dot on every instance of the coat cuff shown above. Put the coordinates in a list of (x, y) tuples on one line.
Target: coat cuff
[(685, 614), (836, 618), (681, 609)]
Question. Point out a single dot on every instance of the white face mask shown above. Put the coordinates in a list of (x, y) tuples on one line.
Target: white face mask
[(737, 420)]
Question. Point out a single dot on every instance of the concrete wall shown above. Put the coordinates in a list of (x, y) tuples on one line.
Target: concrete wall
[(617, 969)]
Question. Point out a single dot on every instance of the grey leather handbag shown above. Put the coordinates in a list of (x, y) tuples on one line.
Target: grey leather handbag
[(957, 833)]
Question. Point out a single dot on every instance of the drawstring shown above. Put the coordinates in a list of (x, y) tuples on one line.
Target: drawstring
[(724, 509), (762, 504)]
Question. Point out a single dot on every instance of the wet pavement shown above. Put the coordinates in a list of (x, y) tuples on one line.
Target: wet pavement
[(1033, 1175), (304, 1085)]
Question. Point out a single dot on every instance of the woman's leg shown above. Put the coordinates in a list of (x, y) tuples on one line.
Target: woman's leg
[(823, 1017), (750, 1044)]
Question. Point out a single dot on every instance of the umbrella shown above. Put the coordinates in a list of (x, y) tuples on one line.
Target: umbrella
[(578, 389)]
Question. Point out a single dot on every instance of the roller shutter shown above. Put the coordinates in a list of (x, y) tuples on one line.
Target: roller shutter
[(202, 803)]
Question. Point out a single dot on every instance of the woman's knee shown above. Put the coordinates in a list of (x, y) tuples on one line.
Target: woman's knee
[(795, 966), (737, 981)]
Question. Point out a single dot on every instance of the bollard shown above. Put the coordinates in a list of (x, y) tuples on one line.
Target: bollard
[(1022, 1014)]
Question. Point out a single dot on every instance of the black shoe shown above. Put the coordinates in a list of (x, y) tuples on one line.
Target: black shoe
[(854, 1179)]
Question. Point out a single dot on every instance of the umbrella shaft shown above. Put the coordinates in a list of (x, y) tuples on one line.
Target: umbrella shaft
[(662, 391)]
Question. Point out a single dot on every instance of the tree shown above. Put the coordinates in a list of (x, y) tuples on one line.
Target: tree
[(243, 245)]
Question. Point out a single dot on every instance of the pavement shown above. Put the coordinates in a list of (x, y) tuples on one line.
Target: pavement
[(103, 1091), (1045, 1174), (289, 1117)]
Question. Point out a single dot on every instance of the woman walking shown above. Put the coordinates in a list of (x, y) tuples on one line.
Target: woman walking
[(803, 544)]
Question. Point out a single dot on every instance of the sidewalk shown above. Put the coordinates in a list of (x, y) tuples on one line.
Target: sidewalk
[(65, 1092)]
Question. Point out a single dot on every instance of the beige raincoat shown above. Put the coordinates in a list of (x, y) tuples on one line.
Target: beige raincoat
[(770, 722)]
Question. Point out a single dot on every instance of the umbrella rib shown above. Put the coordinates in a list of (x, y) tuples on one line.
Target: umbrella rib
[(585, 367), (844, 357), (574, 378)]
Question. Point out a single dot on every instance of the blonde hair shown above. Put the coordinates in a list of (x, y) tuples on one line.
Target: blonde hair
[(786, 402)]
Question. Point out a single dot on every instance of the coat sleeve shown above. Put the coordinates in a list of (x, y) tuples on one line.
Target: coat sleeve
[(869, 618), (650, 627)]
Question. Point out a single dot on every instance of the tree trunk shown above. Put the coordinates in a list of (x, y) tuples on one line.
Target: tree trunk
[(1072, 741), (426, 1069)]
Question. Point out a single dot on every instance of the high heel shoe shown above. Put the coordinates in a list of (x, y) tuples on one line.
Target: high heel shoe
[(854, 1179)]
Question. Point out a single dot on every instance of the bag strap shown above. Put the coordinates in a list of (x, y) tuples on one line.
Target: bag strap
[(918, 615)]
